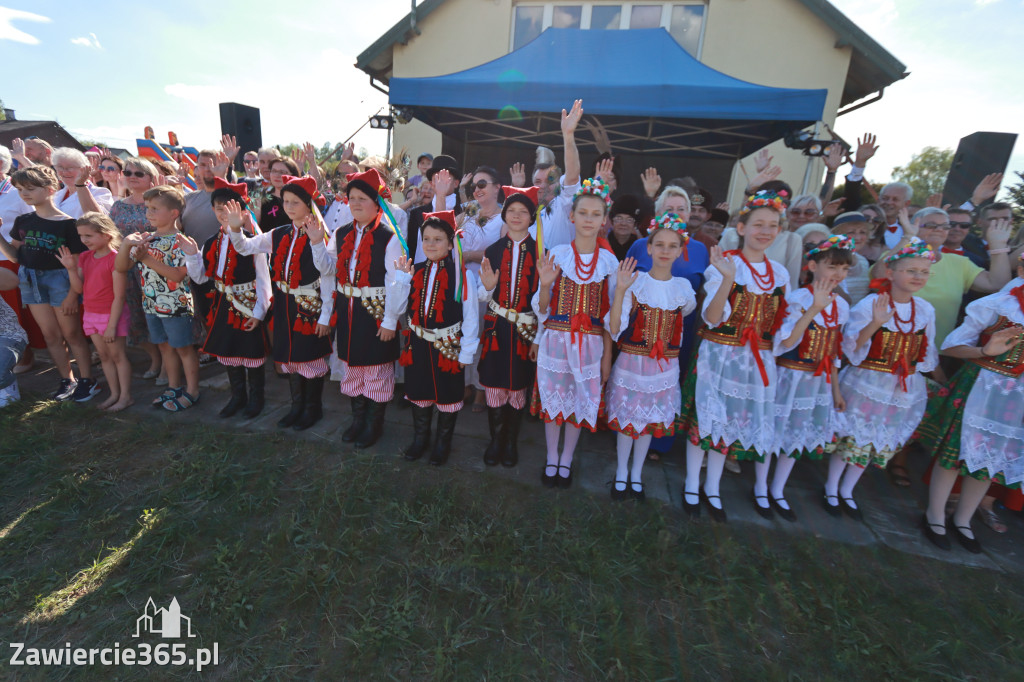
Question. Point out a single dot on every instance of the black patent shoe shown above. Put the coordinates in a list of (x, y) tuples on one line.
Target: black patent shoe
[(619, 495), (763, 512), (785, 512), (638, 495), (851, 511), (692, 510), (970, 544), (548, 481), (832, 509), (717, 514), (564, 482), (940, 540)]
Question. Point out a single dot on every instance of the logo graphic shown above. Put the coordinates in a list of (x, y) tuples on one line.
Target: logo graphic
[(164, 622)]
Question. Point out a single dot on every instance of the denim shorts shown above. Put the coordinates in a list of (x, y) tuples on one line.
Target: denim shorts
[(174, 331), (48, 287)]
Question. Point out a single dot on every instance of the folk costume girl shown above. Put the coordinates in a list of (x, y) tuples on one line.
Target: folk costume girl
[(301, 339), (361, 257), (443, 334), (574, 357), (240, 299), (808, 348), (976, 426), (730, 397), (505, 367), (646, 319), (889, 341)]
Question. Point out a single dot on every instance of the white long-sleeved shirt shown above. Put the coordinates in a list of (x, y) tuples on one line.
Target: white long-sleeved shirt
[(325, 255), (196, 267), (470, 308)]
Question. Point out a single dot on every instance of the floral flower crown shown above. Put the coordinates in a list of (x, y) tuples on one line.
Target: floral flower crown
[(596, 187), (670, 221), (766, 198), (916, 248), (834, 241)]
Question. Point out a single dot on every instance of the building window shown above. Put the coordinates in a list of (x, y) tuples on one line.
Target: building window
[(566, 16), (683, 19), (528, 24)]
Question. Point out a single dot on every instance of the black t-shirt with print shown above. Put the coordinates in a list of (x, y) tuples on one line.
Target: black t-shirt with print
[(41, 238)]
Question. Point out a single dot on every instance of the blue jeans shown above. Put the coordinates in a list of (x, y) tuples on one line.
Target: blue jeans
[(43, 286), (10, 352)]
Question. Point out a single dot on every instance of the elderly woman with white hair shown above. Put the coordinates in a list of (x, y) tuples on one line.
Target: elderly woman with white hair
[(11, 206), (78, 195), (804, 209)]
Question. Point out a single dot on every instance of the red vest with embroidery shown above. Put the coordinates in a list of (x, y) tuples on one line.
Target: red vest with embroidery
[(763, 313), (1010, 363), (653, 332), (578, 307)]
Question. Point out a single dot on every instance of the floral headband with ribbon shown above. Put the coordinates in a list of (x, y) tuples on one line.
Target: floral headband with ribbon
[(596, 187), (766, 198), (915, 248), (834, 242)]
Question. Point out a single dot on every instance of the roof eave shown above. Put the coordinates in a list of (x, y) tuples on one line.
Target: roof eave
[(376, 60)]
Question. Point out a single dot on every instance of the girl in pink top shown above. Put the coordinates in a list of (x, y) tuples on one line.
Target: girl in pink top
[(104, 316)]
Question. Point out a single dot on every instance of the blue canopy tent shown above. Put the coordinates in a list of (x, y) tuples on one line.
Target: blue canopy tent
[(650, 95)]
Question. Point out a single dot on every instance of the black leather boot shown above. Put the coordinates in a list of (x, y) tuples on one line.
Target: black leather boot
[(513, 420), (296, 386), (443, 443), (236, 379), (421, 418), (314, 408), (496, 448), (374, 424), (359, 406), (257, 379)]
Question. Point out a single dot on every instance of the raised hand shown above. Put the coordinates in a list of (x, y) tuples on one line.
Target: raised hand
[(934, 200), (517, 174), (1003, 341), (881, 311), (722, 263), (998, 233), (651, 181), (834, 159), (909, 226), (824, 294), (547, 270), (229, 145), (18, 148), (762, 160), (443, 183), (315, 229), (221, 164), (833, 207), (404, 264), (604, 170), (83, 175), (723, 206), (309, 151), (233, 210), (987, 188), (866, 148), (66, 258), (767, 175), (348, 152), (572, 119), (488, 275), (188, 245), (626, 274), (601, 140)]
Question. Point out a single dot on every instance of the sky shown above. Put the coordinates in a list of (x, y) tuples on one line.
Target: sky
[(106, 74)]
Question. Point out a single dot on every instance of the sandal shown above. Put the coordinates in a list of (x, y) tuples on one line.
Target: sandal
[(900, 480), (991, 519), (169, 394), (182, 401)]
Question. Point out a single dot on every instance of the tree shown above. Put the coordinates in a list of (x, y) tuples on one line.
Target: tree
[(926, 172), (1016, 198)]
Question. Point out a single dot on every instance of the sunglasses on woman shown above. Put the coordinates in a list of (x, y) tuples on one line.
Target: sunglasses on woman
[(482, 184), (109, 169), (137, 174)]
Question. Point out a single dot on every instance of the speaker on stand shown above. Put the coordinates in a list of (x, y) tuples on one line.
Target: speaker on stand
[(244, 123)]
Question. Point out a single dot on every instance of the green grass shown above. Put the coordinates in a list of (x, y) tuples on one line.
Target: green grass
[(305, 561)]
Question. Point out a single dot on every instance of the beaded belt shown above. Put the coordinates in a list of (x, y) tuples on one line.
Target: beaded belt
[(372, 298), (304, 290), (241, 296), (525, 322), (445, 340)]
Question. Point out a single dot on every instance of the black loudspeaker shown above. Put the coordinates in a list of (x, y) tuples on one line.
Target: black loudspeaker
[(244, 123), (978, 155)]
